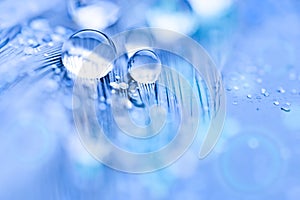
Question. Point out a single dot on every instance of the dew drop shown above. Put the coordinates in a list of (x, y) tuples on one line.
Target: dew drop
[(144, 66), (88, 54), (236, 87), (281, 90), (276, 103), (286, 107)]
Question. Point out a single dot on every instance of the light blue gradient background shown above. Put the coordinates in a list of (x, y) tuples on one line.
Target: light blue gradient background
[(256, 46)]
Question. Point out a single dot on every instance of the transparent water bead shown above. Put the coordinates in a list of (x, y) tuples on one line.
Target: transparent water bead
[(88, 54), (96, 14), (144, 66)]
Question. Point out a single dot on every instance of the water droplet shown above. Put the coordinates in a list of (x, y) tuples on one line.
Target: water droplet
[(264, 92), (94, 14), (249, 96), (88, 54), (286, 107), (236, 87), (280, 90), (234, 102), (144, 66), (276, 103)]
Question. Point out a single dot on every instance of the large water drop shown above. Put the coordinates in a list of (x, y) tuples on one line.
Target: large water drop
[(88, 54)]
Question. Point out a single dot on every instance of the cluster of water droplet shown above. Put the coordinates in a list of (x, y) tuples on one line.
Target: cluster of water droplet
[(91, 55), (252, 87)]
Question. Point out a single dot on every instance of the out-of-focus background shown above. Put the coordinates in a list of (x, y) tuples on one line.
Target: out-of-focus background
[(255, 45)]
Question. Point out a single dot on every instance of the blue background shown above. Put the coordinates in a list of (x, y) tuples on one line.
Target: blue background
[(255, 45)]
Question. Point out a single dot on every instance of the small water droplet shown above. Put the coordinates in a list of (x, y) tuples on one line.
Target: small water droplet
[(249, 96), (286, 107), (276, 103), (234, 102), (281, 90), (144, 66)]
